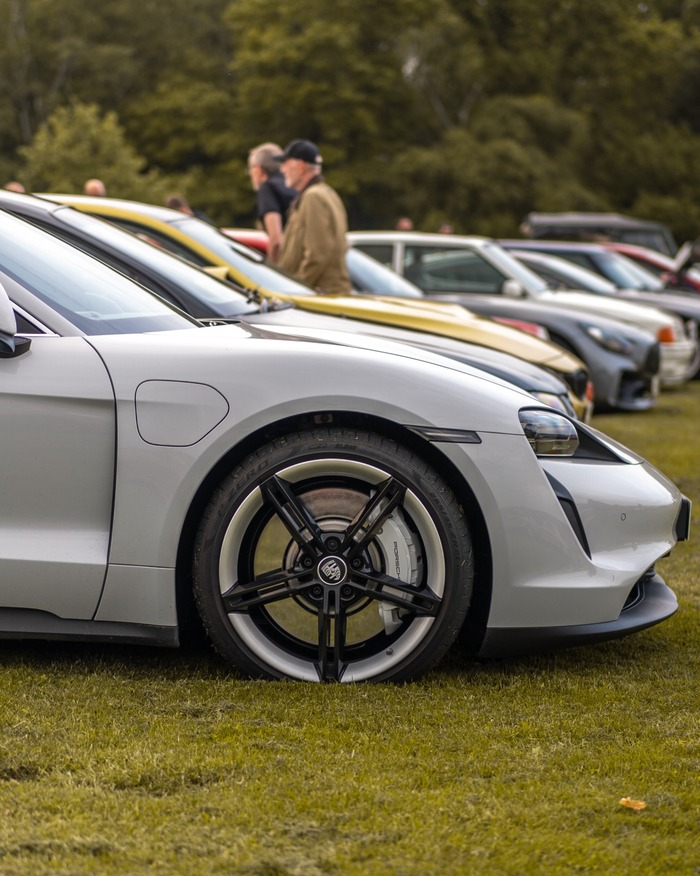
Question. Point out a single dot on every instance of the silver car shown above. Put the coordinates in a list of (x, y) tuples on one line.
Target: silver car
[(340, 508)]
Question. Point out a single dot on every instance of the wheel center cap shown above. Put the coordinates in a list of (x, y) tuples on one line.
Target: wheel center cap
[(332, 571)]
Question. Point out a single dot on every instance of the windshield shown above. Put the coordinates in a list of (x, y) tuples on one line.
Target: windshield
[(247, 262), (515, 269), (626, 274), (572, 275), (218, 294), (93, 297), (370, 276)]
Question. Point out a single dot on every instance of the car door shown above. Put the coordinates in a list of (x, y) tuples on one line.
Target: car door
[(57, 435)]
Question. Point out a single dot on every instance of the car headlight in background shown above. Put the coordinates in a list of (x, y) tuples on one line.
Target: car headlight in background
[(549, 434), (667, 334), (609, 340)]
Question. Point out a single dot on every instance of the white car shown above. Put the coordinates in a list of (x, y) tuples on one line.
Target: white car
[(465, 269), (340, 508)]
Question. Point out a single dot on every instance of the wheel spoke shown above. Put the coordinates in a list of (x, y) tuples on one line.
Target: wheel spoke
[(332, 625), (267, 588), (372, 517), (375, 585), (291, 511)]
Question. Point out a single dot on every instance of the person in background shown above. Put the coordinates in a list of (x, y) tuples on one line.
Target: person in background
[(445, 228), (314, 244), (178, 202), (95, 188), (14, 186), (404, 223), (273, 196)]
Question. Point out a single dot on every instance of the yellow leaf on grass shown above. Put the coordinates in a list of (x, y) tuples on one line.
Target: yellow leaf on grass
[(637, 805)]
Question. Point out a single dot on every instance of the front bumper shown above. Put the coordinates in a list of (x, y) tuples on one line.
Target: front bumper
[(650, 602), (574, 560), (679, 362)]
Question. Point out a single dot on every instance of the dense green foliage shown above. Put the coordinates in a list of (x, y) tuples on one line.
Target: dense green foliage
[(469, 111), (128, 760)]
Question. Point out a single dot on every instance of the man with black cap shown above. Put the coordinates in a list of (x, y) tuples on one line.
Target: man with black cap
[(314, 244)]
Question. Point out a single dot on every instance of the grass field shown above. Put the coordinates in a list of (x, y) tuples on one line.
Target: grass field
[(129, 761)]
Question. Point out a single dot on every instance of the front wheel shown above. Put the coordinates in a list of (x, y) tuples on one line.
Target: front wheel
[(333, 554)]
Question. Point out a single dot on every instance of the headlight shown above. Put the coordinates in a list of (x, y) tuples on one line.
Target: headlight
[(549, 434), (608, 339)]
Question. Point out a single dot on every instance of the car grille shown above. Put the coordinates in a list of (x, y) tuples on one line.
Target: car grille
[(653, 360)]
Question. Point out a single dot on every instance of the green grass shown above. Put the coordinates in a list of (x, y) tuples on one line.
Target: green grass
[(128, 761)]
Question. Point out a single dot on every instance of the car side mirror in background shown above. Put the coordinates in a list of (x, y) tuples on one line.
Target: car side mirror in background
[(10, 346), (512, 289)]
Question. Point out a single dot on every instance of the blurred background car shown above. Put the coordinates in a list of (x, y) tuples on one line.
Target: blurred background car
[(623, 361), (565, 274), (468, 267), (623, 272), (599, 227)]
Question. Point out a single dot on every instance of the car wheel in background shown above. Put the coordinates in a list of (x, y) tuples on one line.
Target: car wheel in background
[(333, 554)]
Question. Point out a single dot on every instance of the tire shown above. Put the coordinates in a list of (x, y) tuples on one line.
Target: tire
[(333, 554)]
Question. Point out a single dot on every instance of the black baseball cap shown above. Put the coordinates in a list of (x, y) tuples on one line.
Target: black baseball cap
[(304, 150)]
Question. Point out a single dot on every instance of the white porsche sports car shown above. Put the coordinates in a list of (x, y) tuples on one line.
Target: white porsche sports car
[(341, 508)]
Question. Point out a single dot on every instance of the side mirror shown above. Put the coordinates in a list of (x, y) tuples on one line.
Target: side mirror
[(512, 289), (10, 346)]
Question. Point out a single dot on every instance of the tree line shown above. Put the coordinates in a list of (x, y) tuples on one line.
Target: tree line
[(472, 112)]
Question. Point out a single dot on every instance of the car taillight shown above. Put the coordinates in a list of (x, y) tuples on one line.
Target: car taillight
[(667, 335)]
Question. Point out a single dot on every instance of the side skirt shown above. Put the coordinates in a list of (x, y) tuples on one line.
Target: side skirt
[(18, 623)]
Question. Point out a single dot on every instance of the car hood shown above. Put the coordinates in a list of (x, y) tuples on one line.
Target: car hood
[(448, 320), (293, 322), (685, 304), (330, 366), (643, 315)]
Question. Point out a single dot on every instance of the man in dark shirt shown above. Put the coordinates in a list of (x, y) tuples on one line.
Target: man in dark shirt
[(273, 196)]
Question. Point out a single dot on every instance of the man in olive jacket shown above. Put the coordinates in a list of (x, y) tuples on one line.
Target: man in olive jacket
[(314, 244)]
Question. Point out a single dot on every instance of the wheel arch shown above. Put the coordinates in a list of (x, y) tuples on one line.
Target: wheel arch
[(475, 624)]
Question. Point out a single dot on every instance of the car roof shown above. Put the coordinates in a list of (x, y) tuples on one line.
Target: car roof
[(553, 245), (417, 237), (589, 220), (164, 214)]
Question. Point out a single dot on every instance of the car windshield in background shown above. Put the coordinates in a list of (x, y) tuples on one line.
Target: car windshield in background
[(205, 288), (368, 275), (93, 297), (242, 258), (516, 270), (573, 276), (463, 269), (628, 275)]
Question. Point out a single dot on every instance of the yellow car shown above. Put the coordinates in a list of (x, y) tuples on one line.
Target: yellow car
[(205, 246)]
